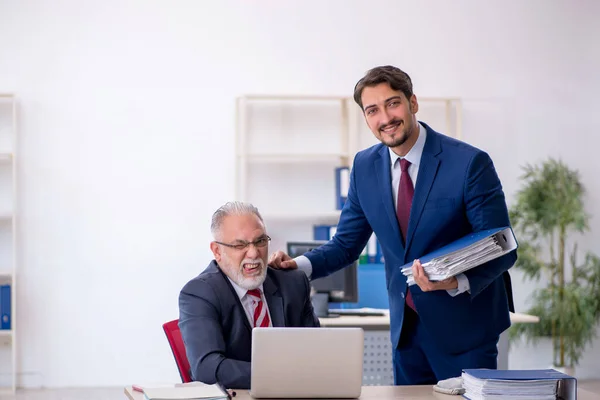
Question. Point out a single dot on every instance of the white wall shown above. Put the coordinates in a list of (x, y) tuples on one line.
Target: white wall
[(126, 123)]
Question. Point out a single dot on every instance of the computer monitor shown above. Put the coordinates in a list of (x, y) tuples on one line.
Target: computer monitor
[(341, 286)]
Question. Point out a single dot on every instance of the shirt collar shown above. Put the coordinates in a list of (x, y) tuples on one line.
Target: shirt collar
[(414, 154), (240, 291)]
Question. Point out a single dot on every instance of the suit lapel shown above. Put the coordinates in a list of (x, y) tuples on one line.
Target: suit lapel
[(237, 300), (274, 301), (384, 180), (427, 171)]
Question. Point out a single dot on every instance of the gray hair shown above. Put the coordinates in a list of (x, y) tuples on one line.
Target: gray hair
[(231, 208)]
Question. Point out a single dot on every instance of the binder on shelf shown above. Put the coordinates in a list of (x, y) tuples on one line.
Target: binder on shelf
[(5, 307), (363, 259), (342, 184), (539, 384), (324, 232), (465, 253)]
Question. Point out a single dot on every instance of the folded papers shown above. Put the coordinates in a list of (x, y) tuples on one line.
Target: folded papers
[(465, 253)]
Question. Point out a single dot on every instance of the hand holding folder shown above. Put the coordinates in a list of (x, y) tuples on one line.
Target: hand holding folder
[(465, 253)]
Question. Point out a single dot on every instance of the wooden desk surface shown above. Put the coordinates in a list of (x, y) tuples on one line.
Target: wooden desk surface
[(368, 392), (383, 393), (373, 323), (383, 322)]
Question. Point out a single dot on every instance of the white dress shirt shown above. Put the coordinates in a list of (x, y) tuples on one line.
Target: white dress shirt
[(249, 302), (414, 157)]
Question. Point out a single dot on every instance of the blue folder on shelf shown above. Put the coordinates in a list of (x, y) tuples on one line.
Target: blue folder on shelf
[(5, 307), (465, 253), (540, 384)]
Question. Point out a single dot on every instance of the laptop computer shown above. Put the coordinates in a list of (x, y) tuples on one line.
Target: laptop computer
[(307, 362)]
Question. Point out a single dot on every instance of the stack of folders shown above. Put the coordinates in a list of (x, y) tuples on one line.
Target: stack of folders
[(186, 391), (485, 384), (465, 253)]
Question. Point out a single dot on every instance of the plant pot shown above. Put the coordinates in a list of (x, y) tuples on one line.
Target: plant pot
[(565, 370)]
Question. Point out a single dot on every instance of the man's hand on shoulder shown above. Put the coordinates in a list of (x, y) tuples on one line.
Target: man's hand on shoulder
[(280, 260), (426, 285)]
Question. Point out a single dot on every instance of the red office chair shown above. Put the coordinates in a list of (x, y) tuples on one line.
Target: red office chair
[(173, 333)]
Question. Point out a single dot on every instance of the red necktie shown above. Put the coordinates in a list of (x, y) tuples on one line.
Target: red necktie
[(405, 197), (261, 316)]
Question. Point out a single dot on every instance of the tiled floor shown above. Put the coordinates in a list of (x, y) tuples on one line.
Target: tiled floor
[(117, 393)]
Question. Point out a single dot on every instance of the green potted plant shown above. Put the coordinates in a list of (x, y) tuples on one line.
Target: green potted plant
[(549, 208)]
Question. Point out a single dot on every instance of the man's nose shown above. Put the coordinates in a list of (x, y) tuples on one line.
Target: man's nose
[(385, 117), (252, 251)]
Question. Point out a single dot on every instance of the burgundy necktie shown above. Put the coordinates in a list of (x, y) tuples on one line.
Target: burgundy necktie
[(405, 197), (261, 316)]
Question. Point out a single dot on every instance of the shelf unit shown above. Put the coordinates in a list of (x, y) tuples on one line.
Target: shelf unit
[(287, 149), (8, 236)]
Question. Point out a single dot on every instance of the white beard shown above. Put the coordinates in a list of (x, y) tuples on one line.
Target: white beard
[(248, 282)]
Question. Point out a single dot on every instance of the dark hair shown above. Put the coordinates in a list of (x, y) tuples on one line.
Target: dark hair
[(395, 77)]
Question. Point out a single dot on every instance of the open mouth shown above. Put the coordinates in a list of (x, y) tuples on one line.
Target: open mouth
[(251, 269)]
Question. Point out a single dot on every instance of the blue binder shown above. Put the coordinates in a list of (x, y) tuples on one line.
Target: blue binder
[(567, 385), (516, 374), (504, 235), (323, 232), (5, 307)]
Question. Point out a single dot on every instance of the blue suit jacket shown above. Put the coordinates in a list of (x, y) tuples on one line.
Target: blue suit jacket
[(457, 192), (215, 328)]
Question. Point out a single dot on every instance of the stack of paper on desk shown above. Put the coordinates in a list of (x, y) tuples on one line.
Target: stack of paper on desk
[(484, 384), (465, 253), (188, 391)]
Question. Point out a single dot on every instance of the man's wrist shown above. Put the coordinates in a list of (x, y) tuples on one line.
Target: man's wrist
[(450, 284), (304, 265)]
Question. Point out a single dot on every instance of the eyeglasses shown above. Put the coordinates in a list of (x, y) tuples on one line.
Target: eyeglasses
[(243, 245)]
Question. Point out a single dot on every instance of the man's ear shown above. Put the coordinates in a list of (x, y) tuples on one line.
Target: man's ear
[(414, 104), (216, 250)]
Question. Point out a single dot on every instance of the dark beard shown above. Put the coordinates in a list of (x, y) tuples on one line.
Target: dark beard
[(398, 141)]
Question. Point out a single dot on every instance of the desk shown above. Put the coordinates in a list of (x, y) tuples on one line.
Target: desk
[(377, 364), (377, 356), (383, 322), (382, 393)]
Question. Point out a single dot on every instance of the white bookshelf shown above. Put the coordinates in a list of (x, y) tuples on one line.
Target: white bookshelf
[(287, 149), (292, 158), (317, 217), (8, 236)]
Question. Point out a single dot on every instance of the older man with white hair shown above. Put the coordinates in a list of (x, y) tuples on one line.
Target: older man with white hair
[(236, 292)]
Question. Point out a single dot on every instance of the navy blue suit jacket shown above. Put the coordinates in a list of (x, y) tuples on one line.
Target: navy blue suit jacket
[(457, 192), (216, 331)]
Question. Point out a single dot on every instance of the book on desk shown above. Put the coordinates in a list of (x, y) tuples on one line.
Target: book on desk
[(537, 384), (183, 391)]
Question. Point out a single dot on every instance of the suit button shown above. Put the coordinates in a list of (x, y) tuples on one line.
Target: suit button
[(402, 295)]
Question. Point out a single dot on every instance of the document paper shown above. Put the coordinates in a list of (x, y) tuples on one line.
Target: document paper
[(452, 263)]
